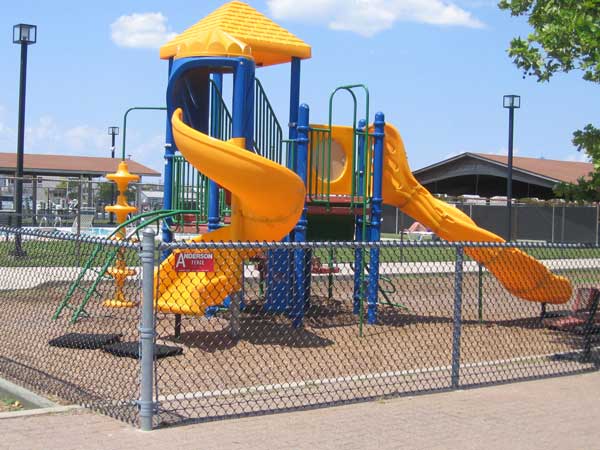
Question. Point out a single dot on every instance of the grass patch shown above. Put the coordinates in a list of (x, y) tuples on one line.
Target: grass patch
[(58, 253), (390, 254), (563, 253), (439, 254), (8, 404)]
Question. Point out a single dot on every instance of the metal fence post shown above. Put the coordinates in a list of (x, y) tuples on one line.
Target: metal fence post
[(456, 330), (562, 224), (147, 332), (597, 220), (589, 326), (236, 308), (553, 209), (480, 294)]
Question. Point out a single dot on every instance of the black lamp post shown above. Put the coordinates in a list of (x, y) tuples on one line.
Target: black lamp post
[(25, 35), (511, 102), (112, 131)]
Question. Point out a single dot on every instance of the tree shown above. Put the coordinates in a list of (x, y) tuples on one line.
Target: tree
[(70, 187), (565, 37), (106, 190)]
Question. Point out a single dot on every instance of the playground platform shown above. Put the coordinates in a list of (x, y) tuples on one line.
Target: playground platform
[(555, 413)]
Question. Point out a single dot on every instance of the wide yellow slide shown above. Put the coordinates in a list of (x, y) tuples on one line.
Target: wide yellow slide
[(519, 273), (267, 201)]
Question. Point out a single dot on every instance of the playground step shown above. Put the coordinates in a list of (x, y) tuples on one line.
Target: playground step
[(336, 210), (336, 205)]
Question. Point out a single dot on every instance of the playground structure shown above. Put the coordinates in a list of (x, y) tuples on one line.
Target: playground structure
[(236, 175)]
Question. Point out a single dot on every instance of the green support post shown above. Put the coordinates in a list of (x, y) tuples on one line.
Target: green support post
[(331, 258)]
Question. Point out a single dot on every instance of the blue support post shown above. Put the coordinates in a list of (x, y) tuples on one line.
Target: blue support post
[(376, 212), (301, 260), (213, 188), (358, 252), (243, 117), (294, 97), (243, 101), (293, 122), (167, 234), (280, 262)]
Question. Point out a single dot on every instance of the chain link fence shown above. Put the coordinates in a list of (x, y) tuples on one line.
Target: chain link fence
[(567, 223), (71, 204), (233, 329), (59, 319), (439, 323)]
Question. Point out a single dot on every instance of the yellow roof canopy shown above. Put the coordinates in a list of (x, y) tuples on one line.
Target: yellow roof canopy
[(237, 29)]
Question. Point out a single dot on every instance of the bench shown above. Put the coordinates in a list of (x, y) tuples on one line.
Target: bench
[(582, 316)]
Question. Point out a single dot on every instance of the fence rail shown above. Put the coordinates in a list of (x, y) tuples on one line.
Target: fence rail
[(442, 322)]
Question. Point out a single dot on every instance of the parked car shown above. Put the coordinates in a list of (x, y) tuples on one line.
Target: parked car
[(7, 202)]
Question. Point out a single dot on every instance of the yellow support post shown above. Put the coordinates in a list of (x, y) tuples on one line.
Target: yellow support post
[(119, 271)]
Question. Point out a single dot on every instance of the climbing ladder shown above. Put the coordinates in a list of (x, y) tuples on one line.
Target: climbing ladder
[(91, 291), (99, 262), (268, 134), (320, 157)]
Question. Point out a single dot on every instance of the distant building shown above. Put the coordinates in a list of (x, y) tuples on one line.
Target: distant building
[(485, 175), (69, 166), (44, 173), (152, 200)]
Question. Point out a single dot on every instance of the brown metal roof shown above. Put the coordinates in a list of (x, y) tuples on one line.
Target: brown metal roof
[(65, 165), (568, 171)]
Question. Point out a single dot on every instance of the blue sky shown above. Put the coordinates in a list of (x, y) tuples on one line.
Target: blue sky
[(436, 68)]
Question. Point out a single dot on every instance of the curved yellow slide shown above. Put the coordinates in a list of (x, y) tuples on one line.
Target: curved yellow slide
[(519, 273), (267, 201)]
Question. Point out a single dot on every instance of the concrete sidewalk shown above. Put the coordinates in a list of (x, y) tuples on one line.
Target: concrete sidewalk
[(557, 413)]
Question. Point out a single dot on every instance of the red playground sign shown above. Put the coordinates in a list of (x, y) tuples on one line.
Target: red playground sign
[(194, 262)]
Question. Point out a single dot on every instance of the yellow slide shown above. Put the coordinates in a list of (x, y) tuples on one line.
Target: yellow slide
[(519, 273), (267, 201)]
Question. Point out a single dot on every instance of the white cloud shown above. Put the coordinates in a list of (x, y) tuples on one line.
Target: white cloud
[(141, 30), (83, 138), (369, 17), (147, 150), (577, 157), (46, 135), (478, 3), (43, 133)]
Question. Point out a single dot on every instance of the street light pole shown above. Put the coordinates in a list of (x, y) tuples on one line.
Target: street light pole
[(113, 132), (24, 35), (511, 102)]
